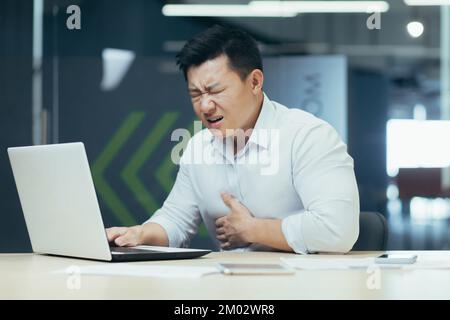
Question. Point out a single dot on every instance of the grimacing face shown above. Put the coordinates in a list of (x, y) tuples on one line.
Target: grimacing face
[(221, 99)]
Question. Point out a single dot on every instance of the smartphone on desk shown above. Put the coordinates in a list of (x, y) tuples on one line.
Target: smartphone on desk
[(396, 258), (254, 268)]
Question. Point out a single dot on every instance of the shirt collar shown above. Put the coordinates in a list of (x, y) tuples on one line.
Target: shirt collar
[(261, 131)]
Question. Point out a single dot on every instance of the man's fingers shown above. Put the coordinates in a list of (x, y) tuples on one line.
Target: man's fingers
[(110, 234), (222, 238), (220, 230), (120, 241), (225, 245), (125, 240), (115, 232), (220, 221), (229, 200)]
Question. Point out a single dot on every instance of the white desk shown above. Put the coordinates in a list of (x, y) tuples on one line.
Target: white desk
[(29, 276)]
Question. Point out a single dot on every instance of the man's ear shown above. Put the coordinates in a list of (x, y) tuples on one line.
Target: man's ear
[(256, 78)]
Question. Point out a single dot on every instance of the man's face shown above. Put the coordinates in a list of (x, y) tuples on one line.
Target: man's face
[(221, 99)]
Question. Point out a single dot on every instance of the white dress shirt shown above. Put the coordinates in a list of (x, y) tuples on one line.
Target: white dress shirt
[(294, 167)]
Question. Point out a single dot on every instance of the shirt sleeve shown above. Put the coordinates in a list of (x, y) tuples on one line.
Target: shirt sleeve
[(324, 179), (179, 215)]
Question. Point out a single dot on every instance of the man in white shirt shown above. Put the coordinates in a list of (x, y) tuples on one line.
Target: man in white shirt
[(260, 176)]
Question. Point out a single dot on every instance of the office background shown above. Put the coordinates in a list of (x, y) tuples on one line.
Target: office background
[(113, 84)]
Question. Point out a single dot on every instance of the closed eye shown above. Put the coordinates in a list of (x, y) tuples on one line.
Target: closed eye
[(217, 91), (197, 93)]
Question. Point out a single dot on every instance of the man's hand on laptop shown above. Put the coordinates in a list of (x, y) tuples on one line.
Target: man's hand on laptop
[(151, 234), (125, 236)]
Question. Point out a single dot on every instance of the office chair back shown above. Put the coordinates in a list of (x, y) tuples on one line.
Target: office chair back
[(373, 232)]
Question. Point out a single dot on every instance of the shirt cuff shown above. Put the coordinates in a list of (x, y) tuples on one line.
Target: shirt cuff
[(291, 227)]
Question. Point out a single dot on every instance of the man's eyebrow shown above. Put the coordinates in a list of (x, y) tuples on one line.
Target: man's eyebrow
[(213, 86), (195, 89)]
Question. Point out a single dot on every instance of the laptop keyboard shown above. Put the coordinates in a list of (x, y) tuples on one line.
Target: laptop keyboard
[(130, 250)]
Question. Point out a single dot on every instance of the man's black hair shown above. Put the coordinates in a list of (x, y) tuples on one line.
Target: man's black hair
[(240, 48)]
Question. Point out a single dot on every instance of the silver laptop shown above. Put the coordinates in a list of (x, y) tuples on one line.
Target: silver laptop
[(61, 209)]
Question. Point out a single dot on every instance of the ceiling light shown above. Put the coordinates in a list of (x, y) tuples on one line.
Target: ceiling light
[(223, 10), (427, 2), (324, 6), (415, 29), (273, 8)]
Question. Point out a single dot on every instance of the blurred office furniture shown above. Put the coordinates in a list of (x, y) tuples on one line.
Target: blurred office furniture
[(373, 232), (420, 182), (419, 190)]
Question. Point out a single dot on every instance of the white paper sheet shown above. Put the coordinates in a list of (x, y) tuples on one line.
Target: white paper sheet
[(141, 271), (429, 264), (321, 263), (325, 263)]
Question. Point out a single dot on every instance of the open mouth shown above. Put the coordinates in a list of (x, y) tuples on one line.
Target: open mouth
[(215, 119)]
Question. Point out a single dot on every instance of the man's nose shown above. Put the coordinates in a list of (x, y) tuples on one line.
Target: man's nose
[(206, 104)]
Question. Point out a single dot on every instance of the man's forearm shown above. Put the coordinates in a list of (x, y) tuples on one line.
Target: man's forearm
[(268, 232), (154, 235)]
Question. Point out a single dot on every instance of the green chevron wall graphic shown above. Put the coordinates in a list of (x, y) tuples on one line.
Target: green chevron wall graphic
[(114, 145), (164, 173), (131, 170)]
